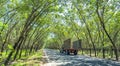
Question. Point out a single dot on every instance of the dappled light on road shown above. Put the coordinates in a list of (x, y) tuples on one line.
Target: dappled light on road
[(58, 59)]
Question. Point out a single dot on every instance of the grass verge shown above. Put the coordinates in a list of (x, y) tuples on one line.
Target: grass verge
[(32, 60)]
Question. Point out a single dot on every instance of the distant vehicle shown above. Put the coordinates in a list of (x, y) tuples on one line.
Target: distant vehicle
[(69, 47)]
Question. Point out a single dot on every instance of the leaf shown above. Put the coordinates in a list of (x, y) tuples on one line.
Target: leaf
[(2, 65), (0, 53), (3, 54), (10, 46), (5, 26), (11, 0), (1, 24), (14, 1)]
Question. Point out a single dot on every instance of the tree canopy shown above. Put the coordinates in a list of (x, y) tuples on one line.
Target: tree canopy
[(29, 25)]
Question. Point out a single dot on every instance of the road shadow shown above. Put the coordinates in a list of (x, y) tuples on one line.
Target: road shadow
[(77, 60)]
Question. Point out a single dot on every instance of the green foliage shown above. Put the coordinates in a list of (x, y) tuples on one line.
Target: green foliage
[(2, 65), (1, 24), (3, 54), (10, 46), (34, 59), (37, 23)]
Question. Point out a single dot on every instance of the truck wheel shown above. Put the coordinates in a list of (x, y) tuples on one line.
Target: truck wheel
[(60, 51), (75, 52), (68, 53)]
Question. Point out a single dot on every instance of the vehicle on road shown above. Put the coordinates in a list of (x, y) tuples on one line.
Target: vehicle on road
[(69, 47)]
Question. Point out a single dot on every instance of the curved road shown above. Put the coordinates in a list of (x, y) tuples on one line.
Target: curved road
[(55, 58)]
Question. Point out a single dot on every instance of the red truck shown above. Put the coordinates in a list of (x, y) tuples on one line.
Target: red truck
[(69, 47)]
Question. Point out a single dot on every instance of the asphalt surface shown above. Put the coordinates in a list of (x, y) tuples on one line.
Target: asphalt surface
[(55, 58)]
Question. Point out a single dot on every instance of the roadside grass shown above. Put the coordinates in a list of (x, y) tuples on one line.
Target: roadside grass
[(34, 59)]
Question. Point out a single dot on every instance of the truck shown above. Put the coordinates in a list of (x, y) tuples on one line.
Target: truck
[(70, 48)]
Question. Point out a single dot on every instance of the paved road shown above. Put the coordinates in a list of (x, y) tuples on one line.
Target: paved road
[(55, 58)]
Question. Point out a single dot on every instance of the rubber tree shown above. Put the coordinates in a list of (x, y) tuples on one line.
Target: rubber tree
[(101, 17), (36, 12)]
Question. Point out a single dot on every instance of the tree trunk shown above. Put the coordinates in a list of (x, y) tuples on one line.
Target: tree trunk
[(103, 26)]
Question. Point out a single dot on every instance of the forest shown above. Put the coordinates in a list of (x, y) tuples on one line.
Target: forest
[(27, 26)]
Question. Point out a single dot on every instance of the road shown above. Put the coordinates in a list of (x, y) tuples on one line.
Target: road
[(55, 58)]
